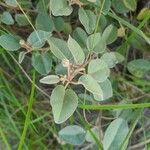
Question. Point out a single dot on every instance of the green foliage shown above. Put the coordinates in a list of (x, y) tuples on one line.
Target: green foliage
[(38, 38), (130, 4), (88, 20), (21, 20), (76, 51), (110, 34), (139, 67), (50, 79), (63, 9), (59, 48), (73, 134), (96, 43), (106, 89), (9, 42), (64, 103), (99, 70), (91, 84), (44, 22), (11, 3), (6, 18), (73, 46), (42, 62), (115, 134)]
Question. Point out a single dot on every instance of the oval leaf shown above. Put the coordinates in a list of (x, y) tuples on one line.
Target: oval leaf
[(50, 79), (38, 38), (80, 36), (110, 58), (73, 134), (99, 70), (6, 18), (96, 43), (107, 91), (88, 20), (64, 103), (42, 62), (44, 22), (9, 42), (90, 84), (139, 67), (110, 34), (130, 4), (63, 9), (76, 51), (59, 48), (115, 134), (21, 20)]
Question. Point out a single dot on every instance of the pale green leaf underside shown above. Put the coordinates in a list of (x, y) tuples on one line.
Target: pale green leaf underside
[(60, 8), (9, 42), (115, 134), (50, 79), (73, 134), (64, 103), (99, 70), (76, 51), (90, 84), (107, 91)]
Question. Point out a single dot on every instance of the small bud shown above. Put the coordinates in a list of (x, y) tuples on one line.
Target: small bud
[(22, 42), (66, 63)]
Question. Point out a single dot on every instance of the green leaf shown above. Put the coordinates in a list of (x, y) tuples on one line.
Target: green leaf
[(44, 22), (6, 18), (102, 23), (42, 6), (76, 51), (60, 69), (106, 89), (110, 34), (110, 58), (59, 23), (38, 38), (139, 67), (80, 36), (64, 103), (59, 48), (99, 70), (119, 6), (21, 20), (73, 134), (9, 42), (87, 19), (11, 3), (96, 43), (90, 84), (21, 56), (130, 4), (106, 5), (42, 62), (50, 79), (115, 134), (63, 9)]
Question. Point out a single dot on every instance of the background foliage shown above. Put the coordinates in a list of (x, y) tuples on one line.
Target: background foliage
[(74, 74)]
